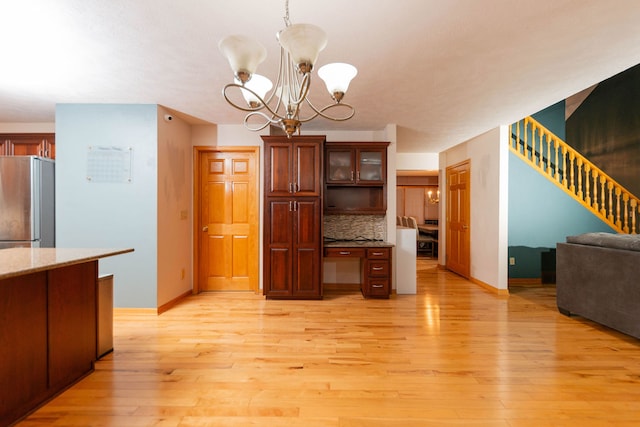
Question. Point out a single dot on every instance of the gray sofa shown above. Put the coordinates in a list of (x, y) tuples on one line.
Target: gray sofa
[(598, 278)]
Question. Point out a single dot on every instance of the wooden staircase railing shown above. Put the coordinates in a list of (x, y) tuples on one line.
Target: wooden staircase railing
[(576, 175)]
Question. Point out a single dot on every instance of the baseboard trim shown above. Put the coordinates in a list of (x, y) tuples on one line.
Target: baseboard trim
[(124, 311), (492, 289), (520, 281), (174, 302)]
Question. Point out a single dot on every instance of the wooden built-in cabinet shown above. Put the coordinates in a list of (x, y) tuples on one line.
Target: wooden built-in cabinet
[(28, 144), (293, 217), (375, 265), (293, 167), (355, 177), (377, 273)]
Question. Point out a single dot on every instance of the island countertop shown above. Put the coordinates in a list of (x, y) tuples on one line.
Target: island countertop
[(19, 261)]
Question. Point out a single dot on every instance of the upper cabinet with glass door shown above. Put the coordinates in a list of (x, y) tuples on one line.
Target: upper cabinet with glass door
[(350, 163), (355, 178), (371, 167)]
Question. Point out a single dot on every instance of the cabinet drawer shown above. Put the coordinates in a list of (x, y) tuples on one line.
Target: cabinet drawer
[(344, 252), (378, 288), (378, 253), (378, 268)]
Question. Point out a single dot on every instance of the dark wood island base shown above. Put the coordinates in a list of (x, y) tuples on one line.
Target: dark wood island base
[(48, 324)]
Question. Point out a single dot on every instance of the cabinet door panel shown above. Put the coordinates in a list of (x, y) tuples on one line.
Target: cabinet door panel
[(279, 272), (279, 221), (370, 166), (73, 336), (308, 277), (278, 251), (307, 166), (308, 217), (278, 170), (308, 249), (23, 335), (340, 166)]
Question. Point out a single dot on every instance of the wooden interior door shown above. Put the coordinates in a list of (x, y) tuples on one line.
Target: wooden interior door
[(458, 252), (229, 227)]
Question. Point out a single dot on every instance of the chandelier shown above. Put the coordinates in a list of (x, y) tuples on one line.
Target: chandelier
[(432, 199), (300, 45)]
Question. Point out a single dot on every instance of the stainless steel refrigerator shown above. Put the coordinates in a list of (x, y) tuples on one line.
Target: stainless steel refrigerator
[(27, 202)]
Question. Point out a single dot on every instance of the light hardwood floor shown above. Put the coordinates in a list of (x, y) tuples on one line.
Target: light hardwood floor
[(453, 355)]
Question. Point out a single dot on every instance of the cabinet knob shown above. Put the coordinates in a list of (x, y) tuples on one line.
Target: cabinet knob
[(345, 252), (377, 268), (376, 286)]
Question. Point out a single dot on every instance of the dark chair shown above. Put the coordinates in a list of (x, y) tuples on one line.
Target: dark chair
[(424, 243)]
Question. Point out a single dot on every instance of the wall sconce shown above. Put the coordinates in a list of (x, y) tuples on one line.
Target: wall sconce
[(432, 199)]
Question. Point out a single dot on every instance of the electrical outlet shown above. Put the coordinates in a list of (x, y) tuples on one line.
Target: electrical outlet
[(512, 260)]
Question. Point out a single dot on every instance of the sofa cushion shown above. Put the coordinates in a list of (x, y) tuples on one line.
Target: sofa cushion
[(630, 242)]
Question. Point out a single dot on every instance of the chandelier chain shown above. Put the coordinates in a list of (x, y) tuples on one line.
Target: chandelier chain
[(287, 22)]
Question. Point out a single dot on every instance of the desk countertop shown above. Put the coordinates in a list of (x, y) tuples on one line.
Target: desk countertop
[(357, 244), (20, 261)]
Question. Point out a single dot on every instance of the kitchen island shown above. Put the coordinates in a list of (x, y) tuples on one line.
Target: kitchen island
[(48, 323)]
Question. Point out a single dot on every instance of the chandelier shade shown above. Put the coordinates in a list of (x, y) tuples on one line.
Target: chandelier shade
[(244, 55), (337, 77), (258, 87), (303, 42), (288, 106)]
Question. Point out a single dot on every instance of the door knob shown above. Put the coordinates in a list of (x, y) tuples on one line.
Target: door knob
[(205, 228)]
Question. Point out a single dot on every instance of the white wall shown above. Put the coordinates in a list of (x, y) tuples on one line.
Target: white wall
[(417, 161), (390, 134), (204, 135), (175, 213), (111, 215), (488, 155)]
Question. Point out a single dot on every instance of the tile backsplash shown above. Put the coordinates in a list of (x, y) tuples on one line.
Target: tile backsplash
[(350, 227)]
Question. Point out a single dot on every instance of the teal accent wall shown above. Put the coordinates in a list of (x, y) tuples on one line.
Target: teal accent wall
[(540, 213), (111, 214), (553, 119)]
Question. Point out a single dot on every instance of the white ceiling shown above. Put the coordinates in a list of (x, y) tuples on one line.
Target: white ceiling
[(443, 71)]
